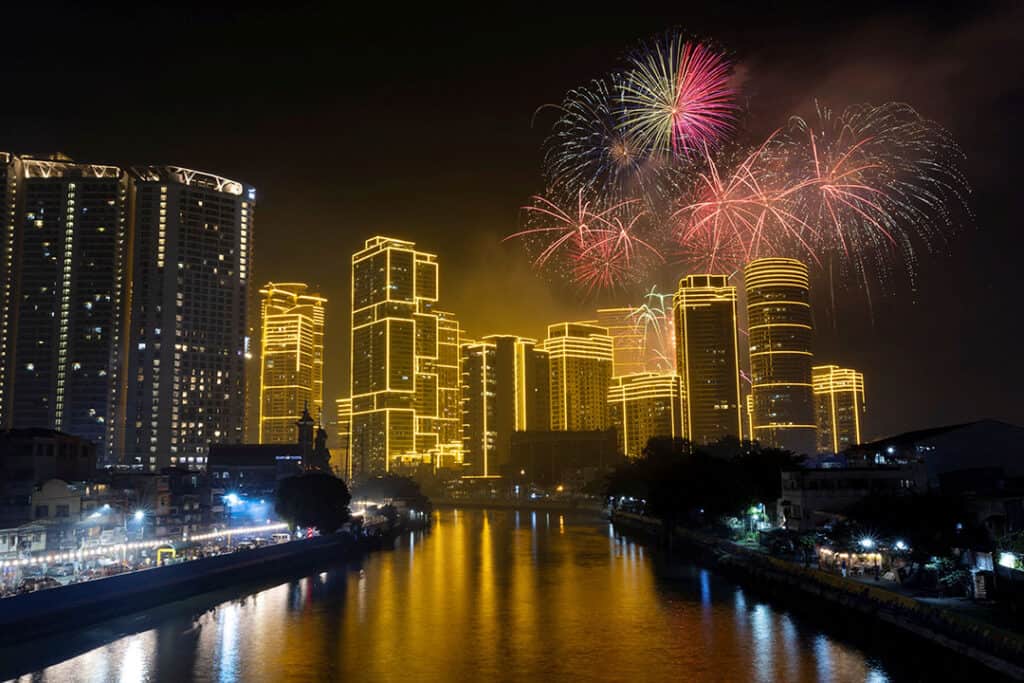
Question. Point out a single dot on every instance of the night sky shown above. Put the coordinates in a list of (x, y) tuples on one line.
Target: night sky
[(420, 128)]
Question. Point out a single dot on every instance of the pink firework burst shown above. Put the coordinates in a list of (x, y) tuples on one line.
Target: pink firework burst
[(593, 247), (677, 96)]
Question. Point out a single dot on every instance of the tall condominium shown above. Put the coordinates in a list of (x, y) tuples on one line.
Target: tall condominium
[(707, 358), (343, 406), (643, 406), (580, 361), (505, 390), (10, 182), (291, 358), (448, 368), (64, 273), (627, 335), (838, 407), (395, 354), (192, 265), (780, 328)]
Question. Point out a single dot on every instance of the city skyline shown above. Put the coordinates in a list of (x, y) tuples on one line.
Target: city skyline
[(306, 199)]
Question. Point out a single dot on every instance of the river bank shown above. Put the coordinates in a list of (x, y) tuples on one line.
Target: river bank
[(46, 612), (538, 504), (997, 649)]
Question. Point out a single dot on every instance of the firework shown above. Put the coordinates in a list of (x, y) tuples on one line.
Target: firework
[(876, 181), (589, 149), (676, 97), (596, 248), (653, 321), (740, 211)]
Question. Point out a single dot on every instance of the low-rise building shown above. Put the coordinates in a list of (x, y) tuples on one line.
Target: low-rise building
[(812, 497)]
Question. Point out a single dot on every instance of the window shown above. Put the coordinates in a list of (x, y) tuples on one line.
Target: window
[(63, 511), (42, 511)]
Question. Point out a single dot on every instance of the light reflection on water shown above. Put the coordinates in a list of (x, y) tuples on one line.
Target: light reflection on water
[(486, 595)]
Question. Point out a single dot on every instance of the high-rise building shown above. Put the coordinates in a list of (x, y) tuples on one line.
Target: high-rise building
[(193, 243), (628, 348), (291, 358), (343, 406), (63, 280), (580, 361), (505, 390), (838, 407), (642, 406), (448, 367), (707, 357), (10, 182), (780, 329), (749, 400), (395, 355)]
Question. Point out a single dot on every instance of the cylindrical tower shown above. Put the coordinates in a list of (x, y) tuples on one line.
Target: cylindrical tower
[(779, 323)]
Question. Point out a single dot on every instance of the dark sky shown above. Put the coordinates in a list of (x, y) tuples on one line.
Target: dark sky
[(420, 127)]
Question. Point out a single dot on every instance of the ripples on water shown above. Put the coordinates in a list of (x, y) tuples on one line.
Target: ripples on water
[(485, 595)]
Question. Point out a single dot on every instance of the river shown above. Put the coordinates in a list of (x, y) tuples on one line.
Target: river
[(484, 595)]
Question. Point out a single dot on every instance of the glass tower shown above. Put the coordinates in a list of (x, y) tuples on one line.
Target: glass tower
[(838, 407), (580, 362), (291, 358), (707, 358), (780, 328)]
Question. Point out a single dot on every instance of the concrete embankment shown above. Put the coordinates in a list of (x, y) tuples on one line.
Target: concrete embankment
[(23, 617), (995, 648)]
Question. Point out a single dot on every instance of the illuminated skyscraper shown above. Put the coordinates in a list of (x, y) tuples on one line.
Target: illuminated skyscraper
[(291, 358), (448, 368), (395, 357), (779, 323), (707, 357), (343, 406), (627, 340), (580, 361), (10, 182), (505, 390), (749, 400), (64, 269), (193, 243), (643, 406), (838, 406)]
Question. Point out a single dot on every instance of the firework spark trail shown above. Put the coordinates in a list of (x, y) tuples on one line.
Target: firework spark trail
[(653, 321), (741, 214), (676, 97), (598, 248), (877, 182)]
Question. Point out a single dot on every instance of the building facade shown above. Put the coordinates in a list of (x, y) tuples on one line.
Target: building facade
[(343, 408), (780, 329), (839, 407), (628, 349), (642, 406), (291, 358), (395, 354), (64, 273), (707, 357), (580, 360), (505, 390), (448, 368), (193, 243)]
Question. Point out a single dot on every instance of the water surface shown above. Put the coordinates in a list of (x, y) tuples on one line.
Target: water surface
[(485, 595)]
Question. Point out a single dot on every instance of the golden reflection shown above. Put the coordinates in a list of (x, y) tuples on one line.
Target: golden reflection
[(486, 595)]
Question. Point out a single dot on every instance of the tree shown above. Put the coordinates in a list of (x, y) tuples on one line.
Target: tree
[(313, 499)]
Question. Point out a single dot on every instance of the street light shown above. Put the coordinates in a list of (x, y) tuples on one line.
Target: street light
[(867, 543), (139, 514)]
